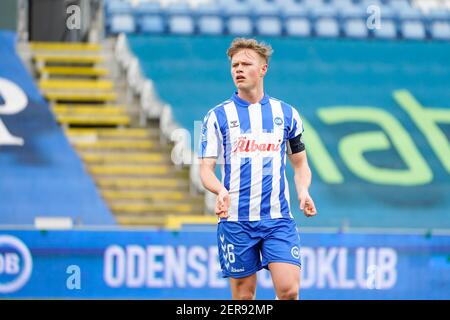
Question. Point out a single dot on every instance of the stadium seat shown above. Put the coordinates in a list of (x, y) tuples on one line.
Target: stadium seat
[(265, 9), (323, 11), (235, 9), (438, 15), (240, 26), (353, 11), (440, 30), (207, 9), (210, 25), (181, 25), (355, 28), (408, 14), (178, 8), (327, 27), (400, 5), (122, 23), (413, 30), (147, 8), (151, 24), (291, 9), (299, 27), (337, 4), (115, 7), (387, 30), (269, 26)]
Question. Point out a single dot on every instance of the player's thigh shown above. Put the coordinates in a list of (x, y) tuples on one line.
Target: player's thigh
[(239, 250), (285, 277)]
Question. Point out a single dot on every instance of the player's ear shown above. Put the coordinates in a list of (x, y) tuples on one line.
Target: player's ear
[(264, 68)]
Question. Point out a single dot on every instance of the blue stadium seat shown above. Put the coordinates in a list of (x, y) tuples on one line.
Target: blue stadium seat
[(327, 27), (440, 30), (388, 30), (298, 27), (207, 9), (122, 23), (410, 14), (387, 12), (311, 3), (210, 25), (323, 11), (413, 30), (355, 28), (178, 9), (338, 4), (291, 9), (438, 15), (181, 24), (400, 5), (269, 26), (265, 9), (118, 7), (151, 24), (234, 9), (367, 3), (147, 8), (240, 26), (347, 12)]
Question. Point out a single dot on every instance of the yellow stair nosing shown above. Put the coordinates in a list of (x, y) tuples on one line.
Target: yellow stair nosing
[(89, 110), (64, 46), (74, 71)]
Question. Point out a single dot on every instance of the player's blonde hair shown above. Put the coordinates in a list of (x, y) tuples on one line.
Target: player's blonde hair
[(263, 49)]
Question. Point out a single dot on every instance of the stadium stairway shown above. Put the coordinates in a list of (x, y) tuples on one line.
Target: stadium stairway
[(129, 164)]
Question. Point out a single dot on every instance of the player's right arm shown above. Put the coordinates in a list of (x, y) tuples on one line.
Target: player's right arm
[(208, 153), (211, 183)]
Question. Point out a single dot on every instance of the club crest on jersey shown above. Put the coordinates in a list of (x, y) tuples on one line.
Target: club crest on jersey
[(234, 124), (278, 121), (246, 145)]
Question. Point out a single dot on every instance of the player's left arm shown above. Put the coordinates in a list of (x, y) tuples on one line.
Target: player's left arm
[(302, 180)]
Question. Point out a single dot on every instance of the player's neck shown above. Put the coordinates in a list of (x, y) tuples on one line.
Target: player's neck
[(253, 96)]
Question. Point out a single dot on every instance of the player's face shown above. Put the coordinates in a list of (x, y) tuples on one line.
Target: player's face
[(247, 69)]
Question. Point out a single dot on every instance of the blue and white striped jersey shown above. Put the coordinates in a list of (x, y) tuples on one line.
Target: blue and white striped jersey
[(249, 142)]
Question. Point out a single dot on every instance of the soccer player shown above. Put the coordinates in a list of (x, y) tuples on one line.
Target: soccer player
[(250, 135)]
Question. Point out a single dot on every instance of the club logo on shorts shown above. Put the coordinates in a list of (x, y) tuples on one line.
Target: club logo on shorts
[(295, 252), (278, 121)]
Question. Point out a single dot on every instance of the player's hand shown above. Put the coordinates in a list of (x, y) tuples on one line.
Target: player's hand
[(307, 204), (222, 203)]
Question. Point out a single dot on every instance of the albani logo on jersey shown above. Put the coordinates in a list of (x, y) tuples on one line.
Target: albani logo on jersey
[(248, 145)]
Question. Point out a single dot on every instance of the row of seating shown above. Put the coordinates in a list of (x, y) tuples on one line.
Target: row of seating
[(394, 9), (274, 26)]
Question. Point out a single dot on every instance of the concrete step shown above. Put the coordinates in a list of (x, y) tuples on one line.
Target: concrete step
[(144, 208), (105, 145), (129, 170), (93, 120), (114, 133), (145, 195), (124, 158), (120, 183), (79, 96)]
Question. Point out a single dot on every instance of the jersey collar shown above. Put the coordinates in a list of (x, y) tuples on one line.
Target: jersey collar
[(243, 103)]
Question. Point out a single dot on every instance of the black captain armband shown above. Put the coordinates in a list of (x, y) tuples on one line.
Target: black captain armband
[(295, 145)]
